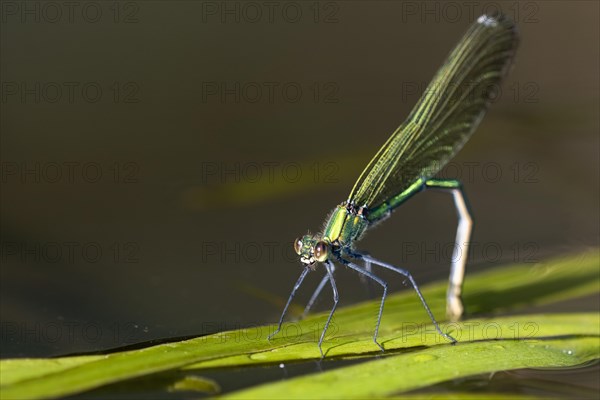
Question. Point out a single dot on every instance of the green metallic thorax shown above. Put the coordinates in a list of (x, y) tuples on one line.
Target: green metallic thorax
[(344, 227)]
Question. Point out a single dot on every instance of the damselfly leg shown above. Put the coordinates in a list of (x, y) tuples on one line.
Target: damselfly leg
[(401, 271), (305, 271), (375, 278), (329, 268), (322, 284), (315, 294)]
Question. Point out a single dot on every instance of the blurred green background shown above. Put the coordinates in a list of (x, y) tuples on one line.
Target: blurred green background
[(159, 158)]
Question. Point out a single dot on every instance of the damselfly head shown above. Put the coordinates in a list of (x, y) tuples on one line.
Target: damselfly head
[(311, 249)]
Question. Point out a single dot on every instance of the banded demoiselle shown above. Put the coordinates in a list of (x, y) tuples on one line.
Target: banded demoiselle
[(437, 128)]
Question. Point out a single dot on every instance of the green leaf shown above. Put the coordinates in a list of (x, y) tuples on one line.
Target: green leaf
[(411, 371), (405, 325)]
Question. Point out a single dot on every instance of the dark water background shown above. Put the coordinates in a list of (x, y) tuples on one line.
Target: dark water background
[(133, 135)]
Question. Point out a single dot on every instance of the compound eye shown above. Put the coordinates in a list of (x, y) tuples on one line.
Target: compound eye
[(298, 246), (321, 251)]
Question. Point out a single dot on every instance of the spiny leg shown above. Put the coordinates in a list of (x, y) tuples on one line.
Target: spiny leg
[(407, 274), (305, 271), (323, 282), (329, 268), (372, 276), (318, 290), (454, 304)]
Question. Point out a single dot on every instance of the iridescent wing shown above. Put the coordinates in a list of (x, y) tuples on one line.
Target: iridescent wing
[(446, 115)]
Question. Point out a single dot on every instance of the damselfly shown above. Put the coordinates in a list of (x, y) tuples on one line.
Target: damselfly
[(436, 129)]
